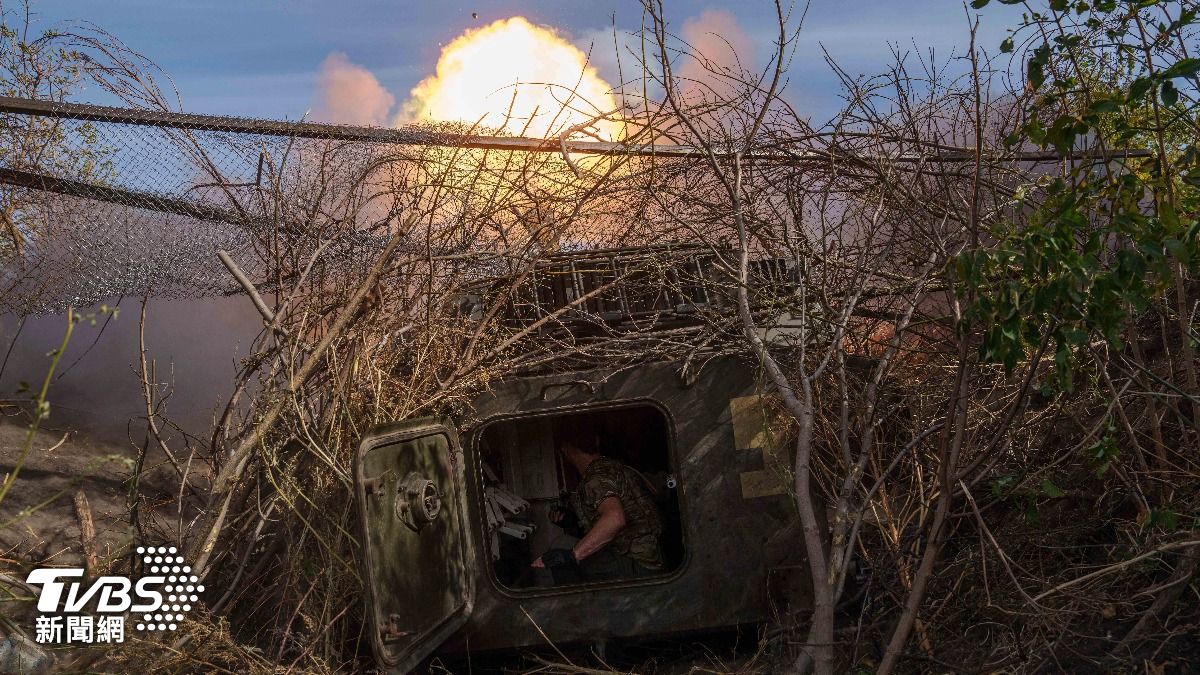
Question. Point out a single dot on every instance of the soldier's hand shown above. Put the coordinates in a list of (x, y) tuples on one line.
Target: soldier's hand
[(565, 518), (560, 509)]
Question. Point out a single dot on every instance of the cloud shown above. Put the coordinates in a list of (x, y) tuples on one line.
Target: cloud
[(348, 93)]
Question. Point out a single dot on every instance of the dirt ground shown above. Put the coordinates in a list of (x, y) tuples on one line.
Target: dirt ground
[(64, 478), (41, 523)]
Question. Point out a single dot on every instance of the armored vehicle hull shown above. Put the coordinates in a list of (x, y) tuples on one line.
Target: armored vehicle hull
[(443, 586)]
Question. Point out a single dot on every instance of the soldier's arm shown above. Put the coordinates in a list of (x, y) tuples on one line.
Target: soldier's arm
[(609, 521)]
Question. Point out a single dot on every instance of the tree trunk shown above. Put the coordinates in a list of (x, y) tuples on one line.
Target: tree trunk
[(818, 649)]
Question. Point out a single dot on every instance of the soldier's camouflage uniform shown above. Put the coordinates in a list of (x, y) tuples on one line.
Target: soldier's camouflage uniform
[(639, 540)]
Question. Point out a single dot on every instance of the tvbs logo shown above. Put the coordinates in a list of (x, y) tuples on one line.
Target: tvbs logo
[(73, 613)]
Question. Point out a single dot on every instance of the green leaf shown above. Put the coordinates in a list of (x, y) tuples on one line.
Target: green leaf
[(1035, 74), (1164, 518), (1036, 71), (1169, 217), (1006, 46), (1176, 248), (1170, 95), (979, 4), (1002, 483), (1062, 133), (1052, 490), (1185, 18), (1183, 68), (1104, 105), (1036, 132), (1139, 88)]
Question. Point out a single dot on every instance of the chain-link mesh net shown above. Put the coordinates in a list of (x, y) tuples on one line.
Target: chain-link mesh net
[(98, 202), (95, 206)]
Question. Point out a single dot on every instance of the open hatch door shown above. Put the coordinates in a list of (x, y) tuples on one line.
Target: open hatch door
[(418, 553)]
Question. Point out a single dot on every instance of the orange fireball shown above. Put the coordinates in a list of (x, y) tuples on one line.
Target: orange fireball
[(516, 77)]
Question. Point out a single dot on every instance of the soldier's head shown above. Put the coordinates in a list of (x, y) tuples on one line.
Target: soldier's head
[(579, 443)]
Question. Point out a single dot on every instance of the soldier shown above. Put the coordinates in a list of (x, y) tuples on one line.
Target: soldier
[(620, 524)]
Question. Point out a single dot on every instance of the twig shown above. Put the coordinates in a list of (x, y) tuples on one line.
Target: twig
[(1104, 571), (87, 531), (241, 455), (246, 285), (41, 407), (547, 638)]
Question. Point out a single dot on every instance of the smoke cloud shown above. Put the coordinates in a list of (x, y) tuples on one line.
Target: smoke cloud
[(194, 344), (348, 93), (715, 37)]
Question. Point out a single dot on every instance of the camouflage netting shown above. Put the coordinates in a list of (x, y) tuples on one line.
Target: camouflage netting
[(82, 251), (101, 202), (95, 209)]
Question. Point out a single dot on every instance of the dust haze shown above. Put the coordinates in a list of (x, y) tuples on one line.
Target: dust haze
[(194, 345)]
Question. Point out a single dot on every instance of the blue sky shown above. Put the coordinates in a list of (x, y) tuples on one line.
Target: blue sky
[(261, 57)]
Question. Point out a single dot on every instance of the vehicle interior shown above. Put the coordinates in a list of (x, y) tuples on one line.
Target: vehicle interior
[(525, 478)]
